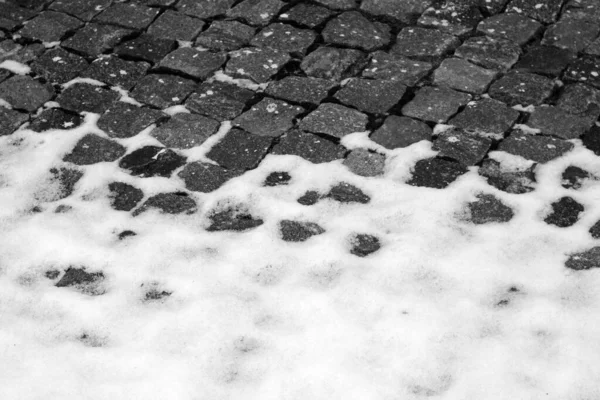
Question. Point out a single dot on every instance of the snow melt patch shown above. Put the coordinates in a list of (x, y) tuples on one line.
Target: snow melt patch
[(243, 83), (89, 81), (15, 67)]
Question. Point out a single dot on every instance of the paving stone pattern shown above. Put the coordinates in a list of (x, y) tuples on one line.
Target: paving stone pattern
[(313, 73)]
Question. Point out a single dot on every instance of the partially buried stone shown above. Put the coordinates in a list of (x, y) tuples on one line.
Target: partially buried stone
[(352, 29), (94, 39), (486, 117), (396, 67), (24, 92), (591, 140), (269, 117), (435, 104), (538, 148), (365, 163), (488, 209), (298, 231), (146, 47), (585, 260), (123, 120), (184, 131), (511, 26), (169, 203), (58, 65), (240, 150), (299, 89), (334, 120), (493, 53), (371, 96), (93, 149), (399, 132), (232, 218), (285, 37), (424, 44), (66, 179), (462, 75), (466, 148), (225, 36), (163, 90), (308, 146), (124, 197), (85, 282), (150, 161), (55, 118), (508, 178), (333, 63), (545, 60), (565, 212), (258, 64), (436, 173), (195, 63), (81, 97), (457, 17), (277, 178), (10, 120), (205, 177), (555, 121), (364, 244), (347, 193), (219, 100), (573, 177), (521, 88), (309, 198), (595, 230)]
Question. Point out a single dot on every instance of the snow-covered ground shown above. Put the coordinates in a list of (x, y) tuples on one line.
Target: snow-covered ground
[(445, 309)]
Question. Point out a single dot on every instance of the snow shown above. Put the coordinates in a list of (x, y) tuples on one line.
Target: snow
[(15, 67), (253, 317)]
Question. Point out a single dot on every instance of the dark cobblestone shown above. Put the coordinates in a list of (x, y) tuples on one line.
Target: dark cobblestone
[(49, 26), (365, 163), (333, 63), (192, 62), (169, 203), (124, 120), (565, 212), (457, 17), (364, 244), (94, 39), (10, 50), (521, 88), (435, 173), (514, 27), (571, 34), (55, 118), (204, 9), (488, 209), (591, 140), (585, 69), (298, 231), (595, 230), (25, 93), (285, 38), (466, 148), (205, 177), (399, 132), (574, 177), (462, 75), (184, 131), (93, 149), (404, 11), (584, 260), (162, 90), (486, 117), (489, 52), (309, 198), (352, 29), (116, 72), (277, 178), (128, 15), (554, 121), (219, 100), (66, 179), (435, 104), (424, 44), (10, 120), (308, 146), (12, 16), (269, 117), (543, 11), (124, 197), (256, 12), (580, 100), (82, 281), (371, 96), (538, 148), (146, 47), (176, 26), (396, 68), (334, 120), (507, 178), (347, 193), (84, 10), (545, 60), (151, 161), (58, 65), (225, 36), (232, 218), (309, 15), (85, 97), (298, 89), (240, 150), (256, 63)]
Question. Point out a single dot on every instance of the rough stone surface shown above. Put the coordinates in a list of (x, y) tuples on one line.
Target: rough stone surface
[(146, 47), (308, 146), (585, 260), (466, 148), (124, 197), (89, 283), (219, 100), (591, 140), (58, 65), (49, 26), (424, 44), (585, 69), (151, 161), (84, 10), (486, 117), (521, 88), (225, 36), (554, 121), (277, 178), (513, 27), (240, 150), (399, 132), (456, 17), (404, 11), (565, 212), (347, 193), (124, 120), (352, 29), (93, 149), (571, 34), (128, 15), (176, 26), (64, 179), (371, 96), (508, 178), (204, 9), (192, 62), (256, 12), (435, 104), (169, 203), (269, 117), (580, 100), (333, 63), (114, 71), (10, 50), (574, 177), (55, 118), (232, 218), (435, 173), (305, 14), (10, 120), (85, 97), (12, 16), (396, 68), (339, 4), (205, 177), (334, 120), (363, 244), (184, 131), (298, 89), (489, 52), (595, 230), (462, 75), (309, 198), (163, 90), (544, 11), (545, 60), (298, 231), (365, 163), (284, 37), (488, 209), (94, 39), (538, 148), (258, 64), (25, 93)]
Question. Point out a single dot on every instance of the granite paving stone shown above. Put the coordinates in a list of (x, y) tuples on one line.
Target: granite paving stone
[(552, 120), (240, 150), (394, 67), (93, 149), (55, 118), (59, 66), (123, 120), (127, 15), (10, 50), (308, 146), (514, 27), (488, 209), (464, 147), (284, 37), (299, 89), (406, 11), (149, 161), (49, 26), (36, 5), (489, 52), (584, 260), (486, 117), (585, 10), (169, 203), (493, 7), (352, 29), (84, 10), (585, 69), (298, 231), (81, 97), (571, 34), (397, 132), (580, 100), (311, 197), (192, 62), (435, 173), (363, 244), (123, 196), (232, 218), (10, 120), (457, 17), (521, 88), (219, 100), (225, 36), (12, 16), (462, 75), (269, 117), (507, 177), (537, 148), (163, 90), (424, 44), (574, 177), (309, 15), (84, 282), (545, 60), (565, 212), (277, 178), (25, 93), (595, 231), (344, 192), (204, 9), (184, 131), (205, 177), (66, 179), (94, 39), (176, 26), (115, 71), (333, 63), (146, 47), (365, 163), (256, 12), (544, 11), (334, 120), (591, 140), (258, 64), (4, 74), (435, 104), (371, 96)]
